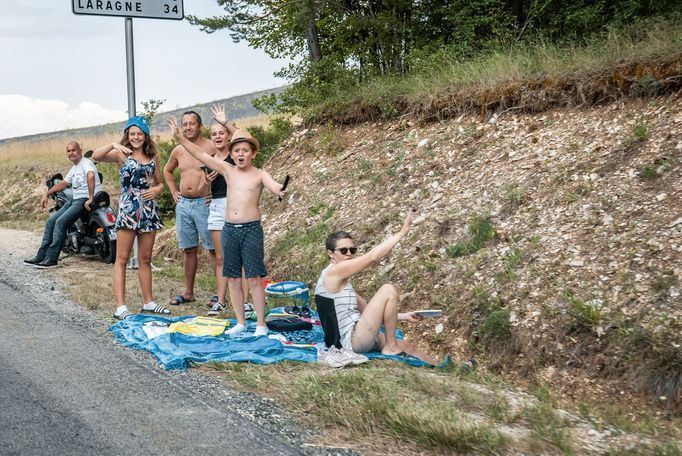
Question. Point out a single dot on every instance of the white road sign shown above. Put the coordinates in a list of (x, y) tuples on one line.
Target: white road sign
[(155, 9)]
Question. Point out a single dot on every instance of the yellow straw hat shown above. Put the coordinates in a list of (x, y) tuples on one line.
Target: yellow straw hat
[(243, 135)]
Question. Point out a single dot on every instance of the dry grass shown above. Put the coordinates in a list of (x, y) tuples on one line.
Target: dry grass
[(49, 153), (643, 60)]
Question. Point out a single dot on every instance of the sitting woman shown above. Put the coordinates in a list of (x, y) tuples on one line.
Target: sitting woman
[(359, 320)]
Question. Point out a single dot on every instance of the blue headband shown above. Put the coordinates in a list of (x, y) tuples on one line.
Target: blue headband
[(140, 122)]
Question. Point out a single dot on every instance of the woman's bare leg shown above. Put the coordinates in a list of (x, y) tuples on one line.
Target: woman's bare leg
[(124, 245), (381, 309), (221, 282), (145, 245)]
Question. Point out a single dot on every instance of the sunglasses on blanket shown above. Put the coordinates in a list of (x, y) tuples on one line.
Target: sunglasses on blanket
[(345, 250)]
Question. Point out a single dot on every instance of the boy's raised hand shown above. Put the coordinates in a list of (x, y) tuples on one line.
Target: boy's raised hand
[(218, 112)]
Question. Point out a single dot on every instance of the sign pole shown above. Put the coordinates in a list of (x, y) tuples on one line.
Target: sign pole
[(130, 66), (130, 70)]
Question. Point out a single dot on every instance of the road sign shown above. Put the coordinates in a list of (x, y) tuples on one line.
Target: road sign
[(154, 9)]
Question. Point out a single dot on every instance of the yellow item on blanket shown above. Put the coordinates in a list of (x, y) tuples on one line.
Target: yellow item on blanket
[(200, 326)]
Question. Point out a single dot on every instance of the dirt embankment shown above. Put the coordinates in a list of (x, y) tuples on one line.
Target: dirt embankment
[(552, 241)]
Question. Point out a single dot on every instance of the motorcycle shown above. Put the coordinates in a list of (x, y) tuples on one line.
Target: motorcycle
[(95, 228)]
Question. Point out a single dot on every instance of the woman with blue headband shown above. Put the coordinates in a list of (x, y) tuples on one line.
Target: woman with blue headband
[(138, 214)]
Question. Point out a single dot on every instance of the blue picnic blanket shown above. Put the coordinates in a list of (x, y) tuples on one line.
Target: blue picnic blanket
[(178, 351)]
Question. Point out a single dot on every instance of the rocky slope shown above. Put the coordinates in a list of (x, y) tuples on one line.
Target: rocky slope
[(553, 241)]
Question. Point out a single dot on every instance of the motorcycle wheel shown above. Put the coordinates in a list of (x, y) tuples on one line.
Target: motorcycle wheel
[(105, 247)]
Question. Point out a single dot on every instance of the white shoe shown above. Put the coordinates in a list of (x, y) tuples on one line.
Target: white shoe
[(216, 309), (352, 357), (331, 357)]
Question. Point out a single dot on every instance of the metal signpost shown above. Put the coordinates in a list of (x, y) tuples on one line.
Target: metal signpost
[(128, 9)]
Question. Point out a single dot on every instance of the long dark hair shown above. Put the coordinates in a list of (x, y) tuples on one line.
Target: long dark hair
[(148, 148)]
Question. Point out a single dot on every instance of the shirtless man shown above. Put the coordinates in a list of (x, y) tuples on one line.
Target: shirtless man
[(191, 211), (242, 236)]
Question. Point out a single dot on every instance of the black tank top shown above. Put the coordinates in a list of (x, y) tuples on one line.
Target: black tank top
[(219, 186)]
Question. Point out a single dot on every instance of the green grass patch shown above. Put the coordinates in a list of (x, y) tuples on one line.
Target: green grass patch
[(667, 449), (480, 230), (549, 429), (588, 314), (377, 403)]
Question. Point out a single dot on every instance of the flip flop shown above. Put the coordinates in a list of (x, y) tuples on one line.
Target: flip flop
[(180, 299), (125, 314), (157, 310)]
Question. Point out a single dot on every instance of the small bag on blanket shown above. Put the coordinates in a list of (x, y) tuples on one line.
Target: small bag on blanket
[(284, 324)]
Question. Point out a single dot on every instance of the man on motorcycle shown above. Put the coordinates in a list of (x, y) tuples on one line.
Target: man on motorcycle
[(85, 183)]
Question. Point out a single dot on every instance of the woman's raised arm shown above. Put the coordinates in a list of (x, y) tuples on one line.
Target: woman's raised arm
[(346, 269)]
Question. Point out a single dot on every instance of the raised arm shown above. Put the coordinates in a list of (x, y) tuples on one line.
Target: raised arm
[(112, 153), (345, 269), (219, 116), (196, 151), (272, 185)]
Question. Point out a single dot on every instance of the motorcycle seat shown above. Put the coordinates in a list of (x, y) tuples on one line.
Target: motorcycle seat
[(101, 199)]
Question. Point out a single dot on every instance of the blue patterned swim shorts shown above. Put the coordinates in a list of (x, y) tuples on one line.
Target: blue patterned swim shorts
[(243, 247)]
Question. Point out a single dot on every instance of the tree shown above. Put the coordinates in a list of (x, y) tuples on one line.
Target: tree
[(151, 107)]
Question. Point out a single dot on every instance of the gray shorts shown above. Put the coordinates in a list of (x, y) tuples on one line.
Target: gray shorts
[(191, 223), (243, 248)]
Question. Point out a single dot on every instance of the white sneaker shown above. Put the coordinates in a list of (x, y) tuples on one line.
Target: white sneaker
[(352, 357), (216, 309), (331, 357)]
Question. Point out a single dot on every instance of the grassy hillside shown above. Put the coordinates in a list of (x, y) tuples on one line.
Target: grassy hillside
[(552, 242)]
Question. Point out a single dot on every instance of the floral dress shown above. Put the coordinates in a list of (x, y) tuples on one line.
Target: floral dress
[(134, 213)]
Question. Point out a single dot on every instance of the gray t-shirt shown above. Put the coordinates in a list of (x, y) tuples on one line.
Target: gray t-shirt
[(78, 178)]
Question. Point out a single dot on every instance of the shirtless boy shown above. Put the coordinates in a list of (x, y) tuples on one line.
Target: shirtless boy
[(191, 211), (242, 236)]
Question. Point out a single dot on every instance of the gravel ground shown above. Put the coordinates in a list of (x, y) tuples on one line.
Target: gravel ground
[(114, 388)]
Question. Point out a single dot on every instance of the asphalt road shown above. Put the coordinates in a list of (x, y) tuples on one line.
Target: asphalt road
[(67, 388)]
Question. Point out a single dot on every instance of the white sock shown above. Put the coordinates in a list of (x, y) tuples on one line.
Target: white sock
[(151, 305), (121, 309), (261, 331), (238, 328)]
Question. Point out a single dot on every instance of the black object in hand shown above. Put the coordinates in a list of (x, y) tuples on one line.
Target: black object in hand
[(206, 169), (284, 185)]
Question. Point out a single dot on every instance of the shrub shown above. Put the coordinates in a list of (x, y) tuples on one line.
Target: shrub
[(270, 138)]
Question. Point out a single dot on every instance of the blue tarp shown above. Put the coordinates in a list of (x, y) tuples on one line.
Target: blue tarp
[(178, 351)]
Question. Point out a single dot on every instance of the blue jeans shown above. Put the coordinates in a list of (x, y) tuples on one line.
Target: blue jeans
[(56, 226)]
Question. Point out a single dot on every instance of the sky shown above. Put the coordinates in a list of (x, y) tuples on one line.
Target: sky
[(60, 70)]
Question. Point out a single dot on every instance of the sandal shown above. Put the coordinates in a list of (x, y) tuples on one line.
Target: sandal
[(212, 301), (180, 299), (157, 310), (123, 315)]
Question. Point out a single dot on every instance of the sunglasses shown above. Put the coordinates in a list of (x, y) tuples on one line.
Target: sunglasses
[(345, 250)]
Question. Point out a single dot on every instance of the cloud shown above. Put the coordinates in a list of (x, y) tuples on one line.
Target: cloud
[(21, 115)]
